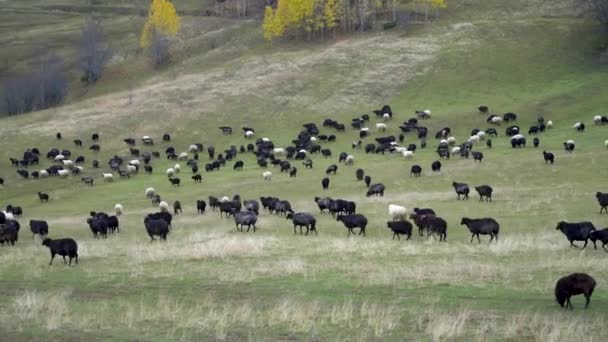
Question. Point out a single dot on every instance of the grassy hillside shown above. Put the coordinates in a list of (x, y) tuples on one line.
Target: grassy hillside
[(209, 281)]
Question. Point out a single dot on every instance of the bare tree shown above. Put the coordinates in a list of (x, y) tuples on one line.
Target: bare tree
[(94, 54), (600, 10), (159, 49)]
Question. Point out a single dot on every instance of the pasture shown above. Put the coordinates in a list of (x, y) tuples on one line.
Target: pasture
[(210, 282)]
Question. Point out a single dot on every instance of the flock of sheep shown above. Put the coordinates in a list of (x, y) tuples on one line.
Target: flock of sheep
[(307, 143)]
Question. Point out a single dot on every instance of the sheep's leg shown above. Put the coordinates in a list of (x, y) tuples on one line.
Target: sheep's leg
[(394, 235), (64, 261), (478, 239), (585, 245), (572, 244), (604, 247), (52, 257), (472, 236), (294, 229), (588, 297)]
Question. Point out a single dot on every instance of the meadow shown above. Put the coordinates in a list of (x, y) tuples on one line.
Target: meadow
[(210, 282)]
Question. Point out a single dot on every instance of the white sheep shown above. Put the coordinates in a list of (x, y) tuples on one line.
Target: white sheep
[(134, 162), (606, 143), (193, 148), (473, 139), (443, 141), (578, 125), (394, 143), (381, 126), (79, 168), (497, 120), (350, 159), (517, 137), (68, 163), (397, 212), (170, 172), (150, 192), (313, 139), (364, 129), (163, 207), (59, 157), (265, 139), (118, 209), (303, 151), (177, 168), (267, 175), (597, 119), (278, 151), (44, 173), (400, 149), (570, 141), (131, 169), (145, 137), (108, 177), (224, 199), (183, 156), (549, 124), (408, 154), (427, 113), (455, 150), (249, 134), (8, 216), (451, 140), (481, 135), (63, 173), (386, 116)]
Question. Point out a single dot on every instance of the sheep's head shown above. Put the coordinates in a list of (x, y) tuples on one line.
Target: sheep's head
[(46, 242)]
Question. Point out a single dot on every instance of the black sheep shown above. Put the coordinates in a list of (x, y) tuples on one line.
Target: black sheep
[(325, 183), (367, 180), (331, 169), (197, 178), (200, 206), (43, 197), (602, 199), (477, 156), (353, 221), (579, 231), (323, 203), (359, 174), (436, 166), (303, 220), (156, 227), (39, 228), (484, 191), (245, 218), (462, 189), (376, 190), (293, 172), (483, 226), (58, 136), (536, 142), (572, 285), (174, 181), (400, 228), (9, 232), (64, 247), (252, 205), (549, 157), (599, 235), (238, 165), (416, 170), (177, 208), (98, 226), (307, 163)]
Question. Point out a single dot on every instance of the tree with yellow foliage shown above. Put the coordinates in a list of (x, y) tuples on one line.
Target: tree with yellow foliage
[(162, 19), (331, 13), (268, 23)]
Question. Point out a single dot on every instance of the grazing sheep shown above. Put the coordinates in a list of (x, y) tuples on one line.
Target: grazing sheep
[(177, 208), (39, 228), (416, 170), (150, 192), (477, 156), (484, 191), (408, 154), (44, 173), (549, 124), (367, 180), (602, 236), (602, 199), (98, 226), (597, 119), (359, 174), (579, 126), (245, 218), (483, 226), (197, 178), (397, 212), (192, 148), (267, 175), (163, 207), (497, 120), (249, 134), (331, 169), (350, 160), (43, 197), (353, 221), (579, 231), (461, 189), (376, 190), (572, 285), (455, 151), (381, 127), (303, 220), (183, 156), (325, 183), (436, 166), (175, 181), (450, 140), (606, 143), (293, 172), (549, 157), (170, 172), (386, 116), (177, 169), (569, 146), (200, 206), (64, 247), (238, 165), (156, 199), (118, 209), (63, 173), (278, 151), (399, 228)]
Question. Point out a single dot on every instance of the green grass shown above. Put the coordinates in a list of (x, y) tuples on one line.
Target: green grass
[(209, 281)]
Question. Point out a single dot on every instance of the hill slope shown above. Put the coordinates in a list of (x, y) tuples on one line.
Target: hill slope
[(211, 282)]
